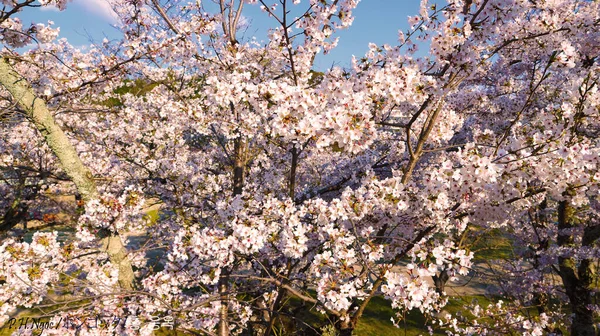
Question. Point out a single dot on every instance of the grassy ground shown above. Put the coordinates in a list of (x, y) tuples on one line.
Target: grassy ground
[(489, 245), (377, 318), (377, 321)]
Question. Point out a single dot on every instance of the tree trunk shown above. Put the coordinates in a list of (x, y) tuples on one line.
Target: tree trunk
[(38, 112), (345, 328), (238, 186), (577, 279), (223, 327), (440, 281), (346, 332)]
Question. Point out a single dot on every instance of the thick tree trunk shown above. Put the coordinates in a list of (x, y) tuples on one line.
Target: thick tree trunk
[(38, 112), (223, 327), (238, 186), (577, 278)]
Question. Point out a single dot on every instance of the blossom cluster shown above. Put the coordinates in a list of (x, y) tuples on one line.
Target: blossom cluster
[(275, 180)]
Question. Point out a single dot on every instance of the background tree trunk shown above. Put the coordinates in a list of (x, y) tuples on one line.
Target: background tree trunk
[(577, 279), (440, 281)]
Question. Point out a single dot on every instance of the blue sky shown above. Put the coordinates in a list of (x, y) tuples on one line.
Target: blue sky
[(376, 21)]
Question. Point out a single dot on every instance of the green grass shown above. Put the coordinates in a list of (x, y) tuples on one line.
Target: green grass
[(152, 216), (489, 245), (376, 319)]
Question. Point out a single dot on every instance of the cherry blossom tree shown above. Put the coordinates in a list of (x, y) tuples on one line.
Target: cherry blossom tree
[(278, 182)]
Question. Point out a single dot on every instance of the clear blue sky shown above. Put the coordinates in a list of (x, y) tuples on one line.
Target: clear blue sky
[(376, 21)]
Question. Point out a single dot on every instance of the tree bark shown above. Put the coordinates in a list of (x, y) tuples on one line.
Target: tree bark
[(346, 332), (440, 281), (577, 278), (36, 109), (345, 328), (238, 187), (223, 327)]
